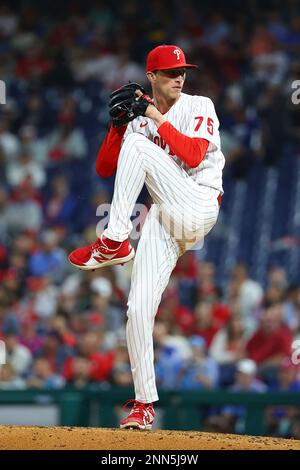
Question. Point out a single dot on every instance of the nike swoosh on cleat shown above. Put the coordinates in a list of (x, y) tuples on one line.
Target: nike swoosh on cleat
[(143, 124)]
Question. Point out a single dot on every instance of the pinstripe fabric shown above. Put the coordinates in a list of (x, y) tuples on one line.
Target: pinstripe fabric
[(155, 259), (183, 212), (179, 196)]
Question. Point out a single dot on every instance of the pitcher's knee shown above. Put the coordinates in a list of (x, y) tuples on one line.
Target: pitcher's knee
[(133, 145), (135, 137), (137, 312)]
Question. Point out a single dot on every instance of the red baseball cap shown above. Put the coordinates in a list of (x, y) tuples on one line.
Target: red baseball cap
[(166, 57)]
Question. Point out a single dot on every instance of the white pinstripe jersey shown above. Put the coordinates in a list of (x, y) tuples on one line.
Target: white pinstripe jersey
[(194, 116)]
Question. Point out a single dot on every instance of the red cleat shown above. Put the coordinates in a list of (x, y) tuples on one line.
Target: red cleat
[(98, 255), (140, 417)]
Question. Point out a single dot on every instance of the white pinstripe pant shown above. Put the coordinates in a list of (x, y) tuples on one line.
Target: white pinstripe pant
[(192, 210)]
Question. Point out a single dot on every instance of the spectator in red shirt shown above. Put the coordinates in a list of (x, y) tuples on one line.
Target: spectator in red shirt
[(34, 63), (207, 285), (205, 322), (272, 341), (101, 362), (178, 316)]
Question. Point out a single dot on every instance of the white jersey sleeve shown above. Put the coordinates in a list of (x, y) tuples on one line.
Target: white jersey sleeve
[(204, 122)]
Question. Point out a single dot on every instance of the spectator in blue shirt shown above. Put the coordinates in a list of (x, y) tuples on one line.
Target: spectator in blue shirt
[(50, 259), (201, 372)]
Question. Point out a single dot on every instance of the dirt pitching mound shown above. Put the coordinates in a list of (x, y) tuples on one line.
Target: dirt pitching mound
[(73, 438)]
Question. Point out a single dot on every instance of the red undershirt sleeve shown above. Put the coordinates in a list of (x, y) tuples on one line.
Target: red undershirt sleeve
[(107, 158), (191, 150)]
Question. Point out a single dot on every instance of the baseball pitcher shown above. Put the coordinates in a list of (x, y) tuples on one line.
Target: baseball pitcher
[(171, 143)]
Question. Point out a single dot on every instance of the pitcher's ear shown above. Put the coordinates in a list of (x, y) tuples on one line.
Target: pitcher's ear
[(151, 76)]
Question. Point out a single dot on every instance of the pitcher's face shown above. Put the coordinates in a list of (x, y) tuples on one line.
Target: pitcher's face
[(168, 83)]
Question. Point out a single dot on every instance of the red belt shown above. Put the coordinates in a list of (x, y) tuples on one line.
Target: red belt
[(220, 199)]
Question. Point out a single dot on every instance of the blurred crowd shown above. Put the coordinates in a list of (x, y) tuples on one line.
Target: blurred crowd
[(64, 327)]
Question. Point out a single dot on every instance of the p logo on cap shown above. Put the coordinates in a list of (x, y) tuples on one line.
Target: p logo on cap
[(177, 52)]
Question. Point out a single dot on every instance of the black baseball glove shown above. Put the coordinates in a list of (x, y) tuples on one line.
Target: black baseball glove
[(124, 105)]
